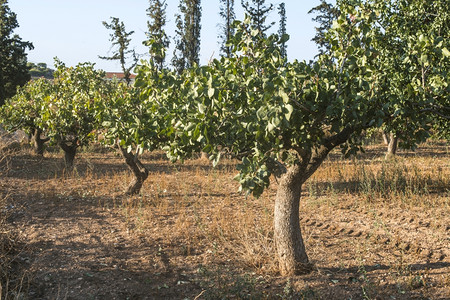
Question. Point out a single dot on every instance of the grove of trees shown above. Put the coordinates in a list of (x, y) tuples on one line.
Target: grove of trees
[(40, 70), (13, 57), (385, 64)]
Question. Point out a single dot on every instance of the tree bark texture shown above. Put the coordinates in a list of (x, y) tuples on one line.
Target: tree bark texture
[(292, 257), (39, 142), (70, 150), (139, 171)]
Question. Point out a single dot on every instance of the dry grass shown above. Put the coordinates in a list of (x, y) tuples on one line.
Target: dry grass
[(12, 283), (412, 180), (373, 228)]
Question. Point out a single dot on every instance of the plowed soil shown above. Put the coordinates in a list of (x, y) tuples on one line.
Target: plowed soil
[(191, 235)]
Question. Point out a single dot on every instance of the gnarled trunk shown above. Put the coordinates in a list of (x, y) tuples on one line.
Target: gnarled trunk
[(70, 150), (140, 172), (39, 142), (289, 243), (291, 251), (392, 146)]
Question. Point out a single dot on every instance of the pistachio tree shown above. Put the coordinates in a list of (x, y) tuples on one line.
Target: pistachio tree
[(68, 115), (414, 65), (140, 118), (281, 118), (24, 111)]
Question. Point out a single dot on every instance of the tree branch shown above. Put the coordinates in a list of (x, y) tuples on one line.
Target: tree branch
[(320, 153)]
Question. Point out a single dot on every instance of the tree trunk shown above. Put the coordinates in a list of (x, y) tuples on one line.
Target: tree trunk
[(289, 243), (139, 171), (70, 150), (385, 138), (291, 251), (38, 142), (392, 146)]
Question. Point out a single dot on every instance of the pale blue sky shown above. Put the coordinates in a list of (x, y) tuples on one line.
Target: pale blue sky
[(72, 30)]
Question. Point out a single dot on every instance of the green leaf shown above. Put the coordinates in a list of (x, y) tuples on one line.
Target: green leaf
[(211, 92), (255, 32), (284, 38), (284, 96), (290, 109), (201, 108), (261, 113)]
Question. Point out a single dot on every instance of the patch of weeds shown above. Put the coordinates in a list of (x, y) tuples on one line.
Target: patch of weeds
[(333, 197), (222, 283), (416, 281), (398, 181), (290, 293), (367, 287), (312, 189), (288, 290), (406, 279), (410, 281), (308, 294)]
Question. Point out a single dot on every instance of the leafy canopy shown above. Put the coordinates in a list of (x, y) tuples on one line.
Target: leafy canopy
[(13, 57)]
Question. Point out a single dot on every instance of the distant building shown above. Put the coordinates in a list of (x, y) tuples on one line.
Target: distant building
[(119, 76)]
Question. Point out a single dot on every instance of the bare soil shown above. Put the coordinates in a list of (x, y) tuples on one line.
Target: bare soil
[(191, 235)]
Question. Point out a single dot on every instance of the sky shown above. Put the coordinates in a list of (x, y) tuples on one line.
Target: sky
[(72, 30)]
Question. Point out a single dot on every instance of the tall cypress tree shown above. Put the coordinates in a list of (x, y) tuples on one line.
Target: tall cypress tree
[(187, 40), (282, 30), (178, 59), (157, 15), (326, 14), (258, 12), (226, 30), (121, 38), (192, 22), (13, 57)]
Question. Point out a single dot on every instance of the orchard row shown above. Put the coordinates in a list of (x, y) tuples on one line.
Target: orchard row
[(386, 67)]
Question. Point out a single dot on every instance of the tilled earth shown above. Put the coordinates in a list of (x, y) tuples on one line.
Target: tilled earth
[(77, 241)]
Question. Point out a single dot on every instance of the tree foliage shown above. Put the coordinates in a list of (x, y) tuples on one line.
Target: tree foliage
[(13, 57), (413, 65), (121, 39), (24, 111), (64, 109), (258, 12), (69, 116), (40, 70), (187, 40), (226, 29), (283, 118), (326, 14), (282, 30), (279, 118), (157, 14), (141, 118)]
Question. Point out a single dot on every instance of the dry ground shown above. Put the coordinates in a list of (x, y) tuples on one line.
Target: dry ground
[(373, 229)]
